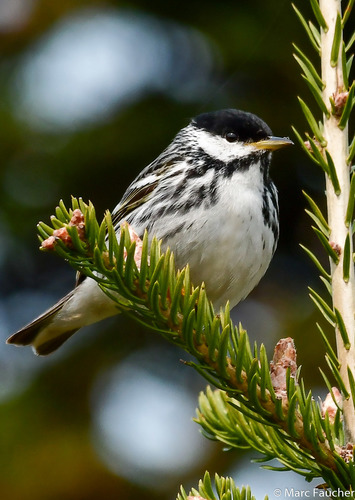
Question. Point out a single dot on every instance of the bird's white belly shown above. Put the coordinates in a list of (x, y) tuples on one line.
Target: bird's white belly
[(232, 268), (228, 247)]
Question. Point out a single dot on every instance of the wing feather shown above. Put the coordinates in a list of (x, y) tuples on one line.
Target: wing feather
[(139, 191), (135, 198)]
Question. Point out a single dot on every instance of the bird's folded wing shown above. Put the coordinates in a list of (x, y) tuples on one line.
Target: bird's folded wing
[(134, 199)]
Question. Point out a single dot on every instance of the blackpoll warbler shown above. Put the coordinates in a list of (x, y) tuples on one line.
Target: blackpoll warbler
[(210, 184)]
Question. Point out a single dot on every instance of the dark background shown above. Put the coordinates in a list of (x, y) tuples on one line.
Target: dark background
[(92, 91)]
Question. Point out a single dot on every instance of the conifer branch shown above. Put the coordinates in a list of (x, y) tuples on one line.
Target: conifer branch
[(224, 488), (336, 135), (329, 149), (144, 284)]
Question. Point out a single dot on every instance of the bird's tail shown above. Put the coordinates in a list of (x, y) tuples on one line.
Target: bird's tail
[(44, 334)]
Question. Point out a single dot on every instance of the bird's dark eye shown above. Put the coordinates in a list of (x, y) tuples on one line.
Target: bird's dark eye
[(231, 137)]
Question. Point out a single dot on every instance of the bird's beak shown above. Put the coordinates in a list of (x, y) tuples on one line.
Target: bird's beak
[(272, 143)]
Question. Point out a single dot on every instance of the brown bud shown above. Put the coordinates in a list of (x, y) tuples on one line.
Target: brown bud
[(347, 452), (329, 406), (339, 101), (139, 245), (336, 247), (49, 243), (78, 221), (284, 358)]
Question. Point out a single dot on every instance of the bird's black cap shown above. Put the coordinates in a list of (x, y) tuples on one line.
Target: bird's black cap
[(246, 126)]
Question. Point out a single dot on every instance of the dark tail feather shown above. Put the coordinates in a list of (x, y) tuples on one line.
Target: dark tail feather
[(28, 333), (53, 344)]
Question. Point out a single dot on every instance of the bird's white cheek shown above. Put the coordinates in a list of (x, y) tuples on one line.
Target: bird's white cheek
[(222, 150)]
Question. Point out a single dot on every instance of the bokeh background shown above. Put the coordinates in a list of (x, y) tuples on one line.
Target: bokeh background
[(90, 92)]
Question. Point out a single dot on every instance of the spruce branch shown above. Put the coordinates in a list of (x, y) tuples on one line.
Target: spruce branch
[(223, 489), (330, 150), (144, 284), (336, 135)]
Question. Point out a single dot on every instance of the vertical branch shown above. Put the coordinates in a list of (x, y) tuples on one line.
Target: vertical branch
[(343, 289)]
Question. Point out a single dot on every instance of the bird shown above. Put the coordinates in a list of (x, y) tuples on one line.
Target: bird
[(211, 184)]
